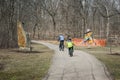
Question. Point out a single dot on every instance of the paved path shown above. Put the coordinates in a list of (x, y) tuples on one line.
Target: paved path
[(82, 66)]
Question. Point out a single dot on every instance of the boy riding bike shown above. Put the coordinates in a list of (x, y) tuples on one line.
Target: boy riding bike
[(70, 47), (61, 44)]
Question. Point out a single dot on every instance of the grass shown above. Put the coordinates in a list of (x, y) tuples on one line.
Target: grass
[(112, 61), (16, 65)]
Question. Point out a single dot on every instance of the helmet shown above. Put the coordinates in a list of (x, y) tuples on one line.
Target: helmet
[(88, 30)]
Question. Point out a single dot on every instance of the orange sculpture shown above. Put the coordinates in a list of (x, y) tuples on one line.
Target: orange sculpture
[(97, 42), (88, 40), (21, 35)]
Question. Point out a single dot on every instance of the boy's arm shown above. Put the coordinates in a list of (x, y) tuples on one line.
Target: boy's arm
[(73, 43)]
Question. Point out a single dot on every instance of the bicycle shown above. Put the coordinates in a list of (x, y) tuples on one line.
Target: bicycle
[(61, 46)]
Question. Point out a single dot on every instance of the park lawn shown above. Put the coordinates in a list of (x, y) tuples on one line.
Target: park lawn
[(112, 61), (33, 65)]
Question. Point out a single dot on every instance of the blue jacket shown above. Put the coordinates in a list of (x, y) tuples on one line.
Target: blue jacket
[(61, 38)]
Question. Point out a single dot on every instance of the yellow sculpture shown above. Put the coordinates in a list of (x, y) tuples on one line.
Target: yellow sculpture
[(21, 35), (88, 37)]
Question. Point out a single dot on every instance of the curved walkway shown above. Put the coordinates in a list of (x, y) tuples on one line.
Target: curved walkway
[(82, 66)]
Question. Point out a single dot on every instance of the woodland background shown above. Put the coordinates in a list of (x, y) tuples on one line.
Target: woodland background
[(46, 19)]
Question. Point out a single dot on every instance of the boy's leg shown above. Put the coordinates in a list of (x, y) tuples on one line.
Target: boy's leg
[(60, 46), (71, 51)]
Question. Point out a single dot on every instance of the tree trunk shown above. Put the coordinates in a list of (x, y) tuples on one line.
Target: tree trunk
[(108, 26), (8, 25), (54, 25)]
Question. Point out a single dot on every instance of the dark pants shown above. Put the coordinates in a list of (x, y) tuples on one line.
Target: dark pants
[(70, 50), (61, 45)]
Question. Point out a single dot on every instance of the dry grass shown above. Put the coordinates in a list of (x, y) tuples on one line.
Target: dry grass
[(16, 65), (112, 61)]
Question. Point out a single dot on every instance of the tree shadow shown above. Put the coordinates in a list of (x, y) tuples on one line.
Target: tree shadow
[(27, 51), (116, 54), (2, 65)]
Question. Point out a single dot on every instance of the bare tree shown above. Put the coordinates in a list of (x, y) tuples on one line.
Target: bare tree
[(45, 19), (106, 10), (51, 7), (8, 24)]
